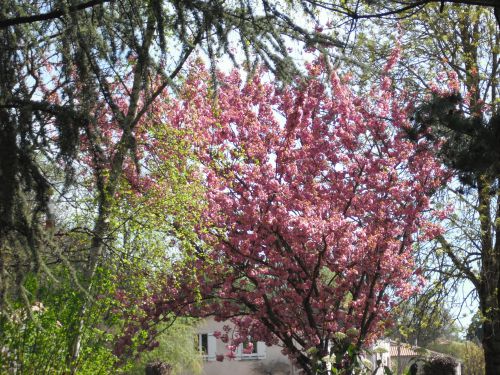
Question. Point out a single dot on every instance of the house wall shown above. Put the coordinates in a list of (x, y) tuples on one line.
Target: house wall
[(268, 360)]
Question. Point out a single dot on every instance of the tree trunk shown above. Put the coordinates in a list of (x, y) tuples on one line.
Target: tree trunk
[(107, 190), (491, 346), (489, 295)]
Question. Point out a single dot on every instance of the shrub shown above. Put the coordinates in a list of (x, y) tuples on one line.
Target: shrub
[(440, 365)]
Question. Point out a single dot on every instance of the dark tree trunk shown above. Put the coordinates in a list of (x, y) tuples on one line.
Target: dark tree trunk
[(491, 346), (489, 285)]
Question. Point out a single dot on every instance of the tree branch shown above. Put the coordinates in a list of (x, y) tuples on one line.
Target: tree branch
[(49, 15), (456, 261)]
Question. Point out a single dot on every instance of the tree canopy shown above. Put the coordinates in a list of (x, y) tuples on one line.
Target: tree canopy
[(116, 144), (314, 198)]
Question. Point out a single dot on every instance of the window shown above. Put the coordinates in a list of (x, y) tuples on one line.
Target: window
[(203, 343), (252, 349), (249, 348), (207, 345)]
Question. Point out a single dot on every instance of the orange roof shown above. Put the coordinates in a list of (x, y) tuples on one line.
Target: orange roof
[(405, 350)]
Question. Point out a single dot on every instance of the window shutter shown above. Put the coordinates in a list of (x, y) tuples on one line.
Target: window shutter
[(212, 346), (261, 350)]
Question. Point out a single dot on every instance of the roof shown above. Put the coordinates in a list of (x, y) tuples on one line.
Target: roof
[(407, 350), (403, 350)]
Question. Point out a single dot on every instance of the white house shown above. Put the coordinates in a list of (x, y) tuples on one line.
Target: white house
[(263, 360)]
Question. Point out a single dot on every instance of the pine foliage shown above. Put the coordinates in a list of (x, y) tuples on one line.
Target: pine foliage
[(471, 144)]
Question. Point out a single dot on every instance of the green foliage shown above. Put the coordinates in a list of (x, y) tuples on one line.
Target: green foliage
[(37, 340), (176, 348)]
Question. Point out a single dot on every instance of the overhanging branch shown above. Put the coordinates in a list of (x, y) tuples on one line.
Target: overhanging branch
[(49, 15)]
